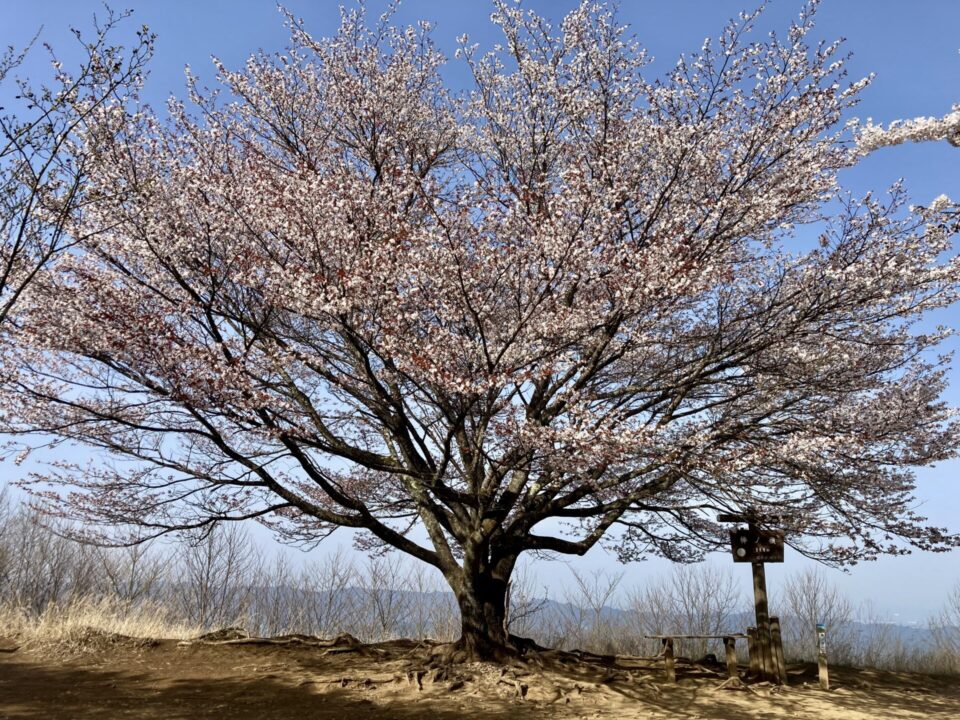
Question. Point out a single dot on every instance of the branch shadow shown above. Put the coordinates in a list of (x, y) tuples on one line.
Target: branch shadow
[(31, 690), (245, 683)]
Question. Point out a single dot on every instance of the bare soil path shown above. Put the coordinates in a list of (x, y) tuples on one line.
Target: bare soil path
[(163, 679)]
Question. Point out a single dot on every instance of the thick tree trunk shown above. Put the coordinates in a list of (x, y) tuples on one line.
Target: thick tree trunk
[(482, 597), (483, 632)]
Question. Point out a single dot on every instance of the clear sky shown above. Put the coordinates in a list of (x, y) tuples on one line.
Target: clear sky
[(912, 47)]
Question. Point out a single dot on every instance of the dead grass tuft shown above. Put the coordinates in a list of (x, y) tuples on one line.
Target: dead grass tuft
[(91, 625)]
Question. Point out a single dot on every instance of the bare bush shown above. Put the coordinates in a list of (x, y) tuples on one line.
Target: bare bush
[(275, 597), (870, 646), (691, 600), (383, 601), (212, 578), (585, 620), (131, 574), (945, 634), (446, 619), (332, 606), (431, 610), (40, 566), (809, 598), (4, 545), (526, 602)]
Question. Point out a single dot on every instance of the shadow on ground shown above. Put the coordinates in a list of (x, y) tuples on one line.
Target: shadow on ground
[(29, 690), (232, 682)]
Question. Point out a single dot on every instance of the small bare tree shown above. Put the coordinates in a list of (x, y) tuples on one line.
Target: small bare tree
[(4, 522), (586, 618), (691, 600), (945, 633), (525, 605), (213, 581), (384, 602), (809, 598), (133, 573), (428, 612), (41, 567), (275, 597), (331, 602)]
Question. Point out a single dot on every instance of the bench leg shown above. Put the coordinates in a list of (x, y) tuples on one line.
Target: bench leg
[(668, 661), (730, 645)]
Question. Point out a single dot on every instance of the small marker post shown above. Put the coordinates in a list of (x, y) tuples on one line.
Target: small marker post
[(822, 656)]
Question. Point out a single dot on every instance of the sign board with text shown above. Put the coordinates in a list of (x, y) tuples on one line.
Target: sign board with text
[(755, 545)]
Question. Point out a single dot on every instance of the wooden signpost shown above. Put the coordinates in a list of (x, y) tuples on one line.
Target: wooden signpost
[(756, 546)]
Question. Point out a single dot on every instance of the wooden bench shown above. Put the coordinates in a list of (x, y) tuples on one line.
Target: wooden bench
[(729, 645)]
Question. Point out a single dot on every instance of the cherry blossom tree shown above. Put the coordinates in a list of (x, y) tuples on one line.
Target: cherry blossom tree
[(43, 164), (572, 307)]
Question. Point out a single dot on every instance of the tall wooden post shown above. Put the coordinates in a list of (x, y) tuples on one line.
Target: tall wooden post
[(776, 638), (753, 651), (767, 669), (669, 663), (730, 649)]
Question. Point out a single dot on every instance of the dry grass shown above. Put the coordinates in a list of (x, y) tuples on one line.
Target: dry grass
[(221, 580), (88, 624)]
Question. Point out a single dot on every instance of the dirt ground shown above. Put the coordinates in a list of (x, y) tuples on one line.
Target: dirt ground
[(302, 678)]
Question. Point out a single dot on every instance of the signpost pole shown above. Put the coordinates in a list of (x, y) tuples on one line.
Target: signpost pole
[(763, 621), (776, 638), (758, 546), (754, 651)]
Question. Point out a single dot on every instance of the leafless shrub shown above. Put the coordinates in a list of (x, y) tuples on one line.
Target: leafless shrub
[(526, 602), (868, 649), (809, 598), (691, 600), (585, 620), (131, 574), (945, 635), (211, 583), (431, 610), (4, 545), (276, 603), (40, 567), (331, 606), (383, 601), (446, 619)]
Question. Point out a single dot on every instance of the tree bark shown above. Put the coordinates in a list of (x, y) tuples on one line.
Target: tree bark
[(482, 598)]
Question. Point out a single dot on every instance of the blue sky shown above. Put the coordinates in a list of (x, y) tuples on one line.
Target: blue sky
[(911, 47)]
